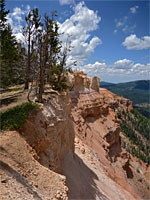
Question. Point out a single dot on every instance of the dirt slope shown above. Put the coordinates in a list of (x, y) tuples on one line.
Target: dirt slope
[(22, 177), (44, 160)]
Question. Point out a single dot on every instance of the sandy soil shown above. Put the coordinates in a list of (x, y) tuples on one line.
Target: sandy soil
[(22, 177)]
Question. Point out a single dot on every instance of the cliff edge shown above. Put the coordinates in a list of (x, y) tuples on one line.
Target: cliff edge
[(70, 148)]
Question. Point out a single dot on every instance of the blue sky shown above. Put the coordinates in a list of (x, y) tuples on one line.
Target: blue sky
[(110, 38)]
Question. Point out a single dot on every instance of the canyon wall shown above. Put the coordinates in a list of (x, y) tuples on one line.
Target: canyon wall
[(94, 114), (70, 148), (50, 130), (96, 124)]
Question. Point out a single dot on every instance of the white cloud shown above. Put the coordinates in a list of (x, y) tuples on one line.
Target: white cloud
[(132, 42), (17, 14), (133, 10), (79, 26), (122, 64), (121, 70), (20, 37), (63, 2), (15, 19), (115, 31), (121, 22), (118, 24), (28, 7), (123, 25), (127, 28)]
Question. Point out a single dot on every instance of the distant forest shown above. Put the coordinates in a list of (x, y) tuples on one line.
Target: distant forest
[(136, 128), (137, 91)]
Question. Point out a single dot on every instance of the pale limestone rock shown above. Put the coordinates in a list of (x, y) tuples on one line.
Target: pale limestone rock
[(76, 140), (82, 83), (95, 83), (50, 131)]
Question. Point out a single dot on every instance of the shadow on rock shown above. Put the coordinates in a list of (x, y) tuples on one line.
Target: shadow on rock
[(80, 179)]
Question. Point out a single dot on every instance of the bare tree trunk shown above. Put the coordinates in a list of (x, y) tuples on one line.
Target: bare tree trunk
[(30, 90), (41, 74), (29, 63)]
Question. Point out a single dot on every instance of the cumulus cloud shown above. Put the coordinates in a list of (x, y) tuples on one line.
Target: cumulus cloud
[(121, 70), (63, 2), (15, 19), (17, 14), (122, 64), (79, 27), (133, 10), (132, 42)]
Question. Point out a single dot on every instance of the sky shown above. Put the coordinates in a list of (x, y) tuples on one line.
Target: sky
[(110, 39)]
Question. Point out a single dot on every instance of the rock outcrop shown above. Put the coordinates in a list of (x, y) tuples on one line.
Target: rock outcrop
[(70, 148), (93, 111), (95, 115), (50, 131)]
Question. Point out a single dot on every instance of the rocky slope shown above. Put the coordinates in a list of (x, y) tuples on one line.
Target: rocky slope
[(96, 125), (71, 148)]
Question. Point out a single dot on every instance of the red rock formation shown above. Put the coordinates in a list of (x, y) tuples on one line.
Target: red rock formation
[(94, 164), (93, 112), (96, 124), (50, 131)]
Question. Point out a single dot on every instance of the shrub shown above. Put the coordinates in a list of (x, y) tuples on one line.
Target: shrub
[(14, 89), (15, 117)]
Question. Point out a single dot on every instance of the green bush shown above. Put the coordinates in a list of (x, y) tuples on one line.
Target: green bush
[(14, 89), (15, 117)]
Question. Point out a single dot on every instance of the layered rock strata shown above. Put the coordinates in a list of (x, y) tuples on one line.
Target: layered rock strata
[(50, 131), (93, 112), (45, 161)]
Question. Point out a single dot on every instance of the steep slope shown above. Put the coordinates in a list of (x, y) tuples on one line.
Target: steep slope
[(97, 125), (136, 129), (70, 148), (22, 176), (30, 158)]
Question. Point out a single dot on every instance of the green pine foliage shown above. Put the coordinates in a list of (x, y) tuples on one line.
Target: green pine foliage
[(9, 51), (42, 60), (15, 117), (9, 57), (3, 14), (137, 128), (136, 91)]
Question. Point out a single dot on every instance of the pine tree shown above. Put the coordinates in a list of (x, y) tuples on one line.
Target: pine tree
[(3, 14), (8, 51), (30, 32), (45, 51), (9, 56)]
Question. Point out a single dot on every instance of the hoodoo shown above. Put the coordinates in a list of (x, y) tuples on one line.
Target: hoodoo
[(70, 148)]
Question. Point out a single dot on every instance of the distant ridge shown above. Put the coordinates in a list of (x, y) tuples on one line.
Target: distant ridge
[(103, 83), (137, 91), (141, 84)]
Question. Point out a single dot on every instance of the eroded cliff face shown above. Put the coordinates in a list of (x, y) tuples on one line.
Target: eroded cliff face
[(70, 148), (31, 159), (50, 130), (95, 119), (97, 126)]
